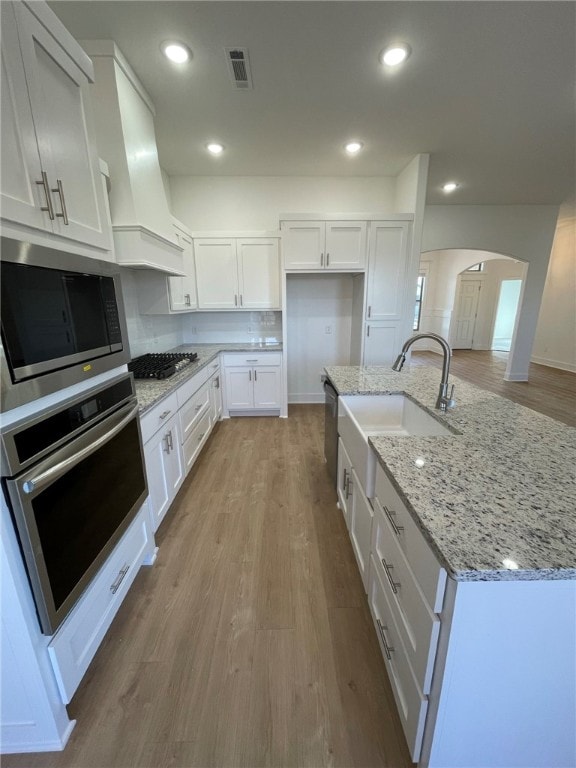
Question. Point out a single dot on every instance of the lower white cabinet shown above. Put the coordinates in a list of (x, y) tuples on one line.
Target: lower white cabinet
[(253, 382), (72, 648), (345, 487), (361, 517), (164, 468), (382, 343), (216, 395)]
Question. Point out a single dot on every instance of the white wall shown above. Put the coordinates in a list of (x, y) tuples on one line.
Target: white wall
[(522, 232), (255, 202), (147, 333), (555, 341), (313, 304)]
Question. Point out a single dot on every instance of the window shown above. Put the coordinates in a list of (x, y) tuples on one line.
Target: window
[(476, 268), (418, 305)]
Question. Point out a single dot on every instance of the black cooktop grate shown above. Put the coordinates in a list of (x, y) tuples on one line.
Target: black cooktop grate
[(160, 365)]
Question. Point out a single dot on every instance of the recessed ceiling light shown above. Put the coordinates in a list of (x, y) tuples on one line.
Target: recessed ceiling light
[(450, 186), (176, 52), (395, 54), (353, 147), (214, 148)]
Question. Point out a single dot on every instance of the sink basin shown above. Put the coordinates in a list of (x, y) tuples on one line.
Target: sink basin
[(364, 416)]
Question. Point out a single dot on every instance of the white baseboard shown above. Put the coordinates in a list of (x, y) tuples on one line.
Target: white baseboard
[(306, 397), (553, 363), (516, 377)]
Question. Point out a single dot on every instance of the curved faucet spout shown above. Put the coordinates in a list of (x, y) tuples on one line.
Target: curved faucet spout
[(444, 400)]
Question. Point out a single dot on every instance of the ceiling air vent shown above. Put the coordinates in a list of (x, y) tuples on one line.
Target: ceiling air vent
[(239, 67)]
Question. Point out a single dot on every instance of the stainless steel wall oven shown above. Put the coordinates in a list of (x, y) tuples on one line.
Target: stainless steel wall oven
[(62, 321), (74, 480)]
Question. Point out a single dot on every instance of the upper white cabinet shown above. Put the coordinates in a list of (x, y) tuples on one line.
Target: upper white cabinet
[(50, 172), (387, 263), (237, 273), (141, 221), (332, 245)]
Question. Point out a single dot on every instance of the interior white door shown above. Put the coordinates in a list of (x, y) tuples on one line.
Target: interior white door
[(466, 310), (216, 273), (259, 273), (345, 245)]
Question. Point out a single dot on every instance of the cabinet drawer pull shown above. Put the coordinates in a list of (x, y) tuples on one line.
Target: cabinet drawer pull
[(163, 415), (48, 207), (345, 479), (321, 259), (348, 484), (201, 436), (198, 407), (187, 297), (369, 311), (166, 442), (252, 360), (255, 375), (217, 382), (367, 330), (60, 190), (235, 300), (170, 440), (327, 259), (241, 301), (388, 649), (389, 514), (250, 375), (115, 586), (393, 584)]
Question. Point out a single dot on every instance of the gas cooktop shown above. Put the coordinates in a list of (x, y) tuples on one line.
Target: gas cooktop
[(160, 365)]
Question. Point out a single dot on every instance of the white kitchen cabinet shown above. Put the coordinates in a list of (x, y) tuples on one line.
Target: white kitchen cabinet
[(361, 517), (50, 171), (164, 468), (160, 294), (387, 265), (253, 382), (216, 394), (382, 342), (237, 273), (345, 486), (324, 245)]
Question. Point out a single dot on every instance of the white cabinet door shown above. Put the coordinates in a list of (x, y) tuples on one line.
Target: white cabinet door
[(361, 518), (216, 273), (164, 469), (215, 398), (22, 197), (345, 245), (259, 273), (345, 488), (60, 100), (239, 388), (182, 290), (382, 343), (266, 387), (388, 256), (303, 244)]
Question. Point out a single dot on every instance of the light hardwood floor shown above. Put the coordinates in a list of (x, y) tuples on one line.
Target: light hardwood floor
[(548, 390), (249, 643)]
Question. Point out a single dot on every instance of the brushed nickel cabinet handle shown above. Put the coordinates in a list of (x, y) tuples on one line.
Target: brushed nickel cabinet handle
[(369, 311), (249, 375), (115, 586), (348, 483), (389, 514), (171, 440), (166, 442), (255, 375), (48, 207), (235, 299), (393, 584), (367, 330), (198, 407), (59, 188), (344, 480), (201, 436), (388, 650), (321, 259), (187, 297), (327, 259), (163, 415), (241, 301)]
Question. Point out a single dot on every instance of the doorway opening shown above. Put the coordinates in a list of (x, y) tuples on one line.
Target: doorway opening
[(505, 319)]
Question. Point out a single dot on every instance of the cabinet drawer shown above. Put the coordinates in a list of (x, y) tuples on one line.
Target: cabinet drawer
[(429, 574), (72, 648), (155, 418), (189, 387), (193, 445), (251, 360), (418, 625), (193, 410), (411, 702)]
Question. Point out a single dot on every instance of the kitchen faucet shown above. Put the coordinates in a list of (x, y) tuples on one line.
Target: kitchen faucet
[(444, 401)]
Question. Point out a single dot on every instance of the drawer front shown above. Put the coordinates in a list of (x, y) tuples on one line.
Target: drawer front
[(411, 702), (361, 529), (152, 421), (186, 390), (193, 410), (429, 574), (72, 648), (417, 624), (193, 445), (251, 360)]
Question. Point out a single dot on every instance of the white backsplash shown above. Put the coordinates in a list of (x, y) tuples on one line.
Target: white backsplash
[(148, 333), (216, 327)]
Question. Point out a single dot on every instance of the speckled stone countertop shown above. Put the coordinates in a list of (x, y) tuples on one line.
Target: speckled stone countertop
[(498, 501), (152, 391)]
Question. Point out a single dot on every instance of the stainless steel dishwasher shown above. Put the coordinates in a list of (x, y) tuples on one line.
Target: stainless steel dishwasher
[(331, 430)]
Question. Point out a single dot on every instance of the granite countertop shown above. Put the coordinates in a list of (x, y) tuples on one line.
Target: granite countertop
[(151, 391), (496, 502)]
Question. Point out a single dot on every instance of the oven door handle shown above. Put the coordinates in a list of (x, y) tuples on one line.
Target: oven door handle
[(53, 473)]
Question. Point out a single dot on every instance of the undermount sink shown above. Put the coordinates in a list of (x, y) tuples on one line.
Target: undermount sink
[(364, 416)]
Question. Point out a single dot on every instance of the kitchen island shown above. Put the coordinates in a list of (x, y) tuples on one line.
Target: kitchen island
[(495, 506)]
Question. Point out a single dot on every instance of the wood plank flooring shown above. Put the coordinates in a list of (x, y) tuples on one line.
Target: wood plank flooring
[(549, 390), (249, 643)]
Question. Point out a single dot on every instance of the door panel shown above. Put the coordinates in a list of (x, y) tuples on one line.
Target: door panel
[(345, 245), (303, 244), (216, 273), (266, 387), (466, 311), (259, 273), (387, 271)]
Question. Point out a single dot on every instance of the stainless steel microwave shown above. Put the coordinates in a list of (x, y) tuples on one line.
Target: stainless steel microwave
[(62, 321)]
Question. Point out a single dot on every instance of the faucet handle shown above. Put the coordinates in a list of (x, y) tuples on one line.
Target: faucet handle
[(450, 402)]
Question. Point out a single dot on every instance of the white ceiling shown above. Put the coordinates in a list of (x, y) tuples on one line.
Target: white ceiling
[(488, 90)]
